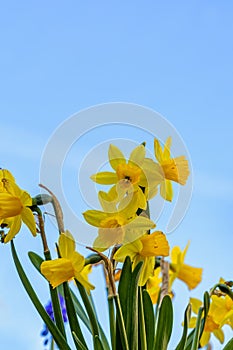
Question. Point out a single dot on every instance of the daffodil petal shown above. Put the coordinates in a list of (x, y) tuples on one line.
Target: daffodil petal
[(82, 277), (205, 338), (147, 270), (105, 178), (94, 217), (196, 304), (66, 244), (26, 199), (158, 151), (137, 156), (192, 322), (167, 146), (137, 228), (219, 335), (14, 228), (115, 156), (107, 203), (28, 219), (57, 271), (130, 250), (166, 190)]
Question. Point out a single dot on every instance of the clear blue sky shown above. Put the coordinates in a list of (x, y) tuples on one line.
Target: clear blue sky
[(175, 57)]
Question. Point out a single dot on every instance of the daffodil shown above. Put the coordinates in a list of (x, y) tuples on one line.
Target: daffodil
[(71, 264), (145, 249), (117, 223), (211, 325), (14, 206), (178, 269), (223, 308), (135, 174), (172, 169)]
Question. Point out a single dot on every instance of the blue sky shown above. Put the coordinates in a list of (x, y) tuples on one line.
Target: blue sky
[(174, 57)]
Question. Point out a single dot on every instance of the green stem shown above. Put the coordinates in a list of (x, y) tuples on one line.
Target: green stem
[(72, 316), (112, 321), (53, 292), (120, 319), (142, 322), (196, 334), (89, 308)]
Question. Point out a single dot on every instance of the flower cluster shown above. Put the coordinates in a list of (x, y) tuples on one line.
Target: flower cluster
[(220, 314), (124, 222), (139, 266)]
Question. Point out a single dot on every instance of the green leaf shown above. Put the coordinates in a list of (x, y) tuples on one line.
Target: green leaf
[(112, 321), (72, 316), (98, 344), (77, 342), (128, 295), (196, 335), (56, 334), (229, 345), (206, 306), (187, 316), (132, 308), (123, 289), (121, 325), (89, 308), (141, 322), (149, 319), (36, 260), (164, 324)]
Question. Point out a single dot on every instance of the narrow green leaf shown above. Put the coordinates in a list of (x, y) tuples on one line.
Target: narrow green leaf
[(102, 335), (124, 283), (89, 308), (229, 345), (121, 324), (80, 311), (57, 335), (187, 316), (78, 343), (83, 316), (206, 306), (112, 322), (141, 321), (149, 319), (98, 344), (36, 260), (164, 324), (72, 316), (132, 308), (196, 335), (123, 290)]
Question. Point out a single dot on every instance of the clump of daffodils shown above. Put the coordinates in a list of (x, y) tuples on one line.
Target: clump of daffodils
[(134, 254)]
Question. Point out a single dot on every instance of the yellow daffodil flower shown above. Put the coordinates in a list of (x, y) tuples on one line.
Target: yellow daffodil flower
[(117, 224), (135, 174), (172, 169), (14, 204), (178, 269), (70, 265), (223, 308), (211, 325), (144, 249)]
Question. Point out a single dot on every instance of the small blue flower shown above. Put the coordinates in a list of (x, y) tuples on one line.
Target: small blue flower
[(49, 309)]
